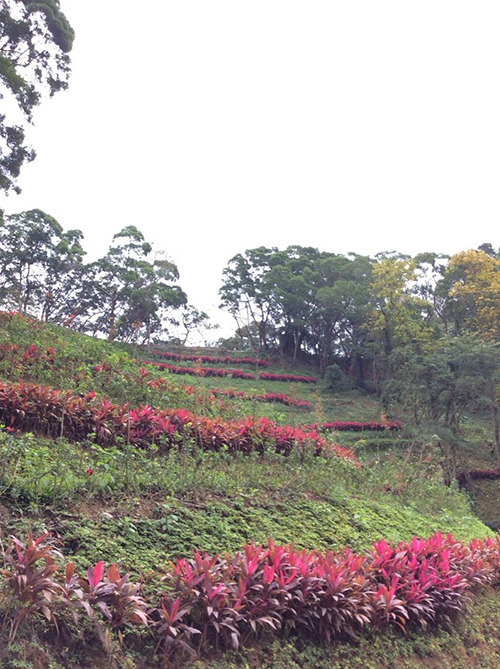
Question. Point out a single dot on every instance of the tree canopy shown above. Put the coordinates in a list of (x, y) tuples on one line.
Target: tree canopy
[(128, 294), (35, 41)]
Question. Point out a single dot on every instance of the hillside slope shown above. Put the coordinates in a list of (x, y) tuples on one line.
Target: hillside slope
[(143, 507)]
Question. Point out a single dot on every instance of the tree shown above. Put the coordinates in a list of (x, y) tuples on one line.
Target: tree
[(193, 320), (456, 375), (35, 40), (127, 293), (399, 315), (475, 289), (343, 300), (245, 293), (39, 264)]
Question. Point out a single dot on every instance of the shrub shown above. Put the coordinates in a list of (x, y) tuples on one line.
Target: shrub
[(337, 380)]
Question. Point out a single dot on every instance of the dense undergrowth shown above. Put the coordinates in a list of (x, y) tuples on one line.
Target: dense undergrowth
[(143, 507)]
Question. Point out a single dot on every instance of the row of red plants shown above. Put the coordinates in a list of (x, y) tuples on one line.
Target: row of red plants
[(235, 373), (280, 398), (201, 371), (43, 410), (229, 601), (480, 474), (215, 360), (36, 353)]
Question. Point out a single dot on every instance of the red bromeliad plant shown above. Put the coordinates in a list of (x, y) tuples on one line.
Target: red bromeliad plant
[(174, 634), (423, 581), (119, 600), (31, 585), (29, 580), (33, 353), (331, 595)]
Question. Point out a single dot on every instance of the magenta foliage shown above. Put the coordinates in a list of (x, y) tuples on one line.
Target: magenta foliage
[(202, 371), (354, 426), (229, 600), (43, 410)]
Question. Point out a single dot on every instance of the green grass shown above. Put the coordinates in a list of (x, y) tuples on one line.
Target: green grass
[(143, 509)]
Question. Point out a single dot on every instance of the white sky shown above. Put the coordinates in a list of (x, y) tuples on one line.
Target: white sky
[(216, 126)]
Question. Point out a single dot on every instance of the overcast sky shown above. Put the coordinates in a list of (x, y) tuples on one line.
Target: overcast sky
[(216, 126)]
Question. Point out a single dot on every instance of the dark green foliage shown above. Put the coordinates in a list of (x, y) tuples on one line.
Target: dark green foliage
[(126, 294), (337, 380), (37, 39), (40, 265)]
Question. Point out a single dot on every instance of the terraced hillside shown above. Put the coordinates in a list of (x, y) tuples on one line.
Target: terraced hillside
[(116, 459)]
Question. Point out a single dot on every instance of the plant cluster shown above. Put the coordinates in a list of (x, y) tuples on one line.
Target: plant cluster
[(32, 583), (215, 360), (43, 410), (279, 398), (228, 601), (33, 353), (480, 474)]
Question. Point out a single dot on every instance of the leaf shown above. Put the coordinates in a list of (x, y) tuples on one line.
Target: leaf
[(98, 573)]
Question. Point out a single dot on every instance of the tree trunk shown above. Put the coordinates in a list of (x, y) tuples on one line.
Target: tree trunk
[(262, 336), (112, 319), (496, 428), (298, 341)]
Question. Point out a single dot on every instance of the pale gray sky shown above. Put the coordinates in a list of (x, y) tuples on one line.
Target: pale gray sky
[(216, 126)]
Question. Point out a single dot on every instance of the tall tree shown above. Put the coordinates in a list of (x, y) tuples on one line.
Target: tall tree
[(35, 40), (245, 293), (400, 316), (39, 263), (130, 293), (475, 290), (343, 302)]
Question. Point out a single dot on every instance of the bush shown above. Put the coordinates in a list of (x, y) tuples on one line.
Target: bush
[(336, 380)]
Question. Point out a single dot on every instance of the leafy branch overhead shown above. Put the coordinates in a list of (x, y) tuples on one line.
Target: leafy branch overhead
[(35, 41)]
